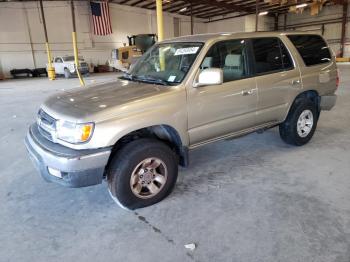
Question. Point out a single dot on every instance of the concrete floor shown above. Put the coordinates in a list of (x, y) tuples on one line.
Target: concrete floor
[(250, 199)]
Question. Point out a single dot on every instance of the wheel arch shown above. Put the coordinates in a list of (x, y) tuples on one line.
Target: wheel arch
[(311, 94), (164, 133)]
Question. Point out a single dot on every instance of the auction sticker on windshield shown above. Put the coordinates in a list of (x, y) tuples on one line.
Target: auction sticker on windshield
[(187, 51)]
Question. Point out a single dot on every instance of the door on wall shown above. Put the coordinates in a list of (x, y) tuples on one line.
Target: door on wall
[(176, 27)]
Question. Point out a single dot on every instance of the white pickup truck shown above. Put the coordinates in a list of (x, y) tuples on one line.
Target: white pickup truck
[(64, 65)]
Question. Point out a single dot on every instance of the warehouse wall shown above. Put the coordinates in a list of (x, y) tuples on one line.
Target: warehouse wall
[(332, 32), (229, 25), (22, 37), (240, 24)]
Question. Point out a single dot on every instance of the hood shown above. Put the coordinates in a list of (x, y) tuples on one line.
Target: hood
[(82, 103)]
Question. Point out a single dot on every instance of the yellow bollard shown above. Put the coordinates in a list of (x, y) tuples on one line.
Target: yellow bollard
[(50, 69)]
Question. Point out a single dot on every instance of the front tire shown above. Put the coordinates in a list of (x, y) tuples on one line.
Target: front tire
[(301, 122), (67, 73), (142, 173)]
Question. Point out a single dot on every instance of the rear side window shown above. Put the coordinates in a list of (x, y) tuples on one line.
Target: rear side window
[(312, 49), (270, 55)]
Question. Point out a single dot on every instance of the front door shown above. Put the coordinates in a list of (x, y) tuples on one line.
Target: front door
[(58, 65), (220, 110)]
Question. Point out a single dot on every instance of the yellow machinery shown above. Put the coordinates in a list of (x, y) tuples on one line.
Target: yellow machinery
[(124, 56)]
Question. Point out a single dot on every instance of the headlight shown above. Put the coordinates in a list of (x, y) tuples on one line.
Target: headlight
[(74, 133), (71, 67)]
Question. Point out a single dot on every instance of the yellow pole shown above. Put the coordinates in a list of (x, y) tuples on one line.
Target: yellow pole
[(75, 46), (76, 58), (160, 27), (50, 69), (49, 59)]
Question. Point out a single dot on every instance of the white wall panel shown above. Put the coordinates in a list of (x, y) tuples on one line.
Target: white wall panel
[(15, 47)]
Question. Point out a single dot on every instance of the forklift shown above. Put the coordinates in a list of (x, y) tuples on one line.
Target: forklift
[(124, 56)]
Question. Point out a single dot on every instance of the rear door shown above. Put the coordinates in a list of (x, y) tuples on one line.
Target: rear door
[(319, 68), (218, 110), (277, 78)]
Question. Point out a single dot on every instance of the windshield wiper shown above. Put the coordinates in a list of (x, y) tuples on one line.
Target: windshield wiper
[(145, 78), (127, 76), (153, 80)]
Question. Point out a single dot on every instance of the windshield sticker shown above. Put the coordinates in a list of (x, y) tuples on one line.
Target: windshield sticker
[(171, 78), (187, 51)]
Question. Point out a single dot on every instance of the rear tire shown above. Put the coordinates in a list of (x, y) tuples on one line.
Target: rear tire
[(301, 122), (142, 173), (67, 73)]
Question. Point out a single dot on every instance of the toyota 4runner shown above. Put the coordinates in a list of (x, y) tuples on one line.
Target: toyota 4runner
[(183, 93)]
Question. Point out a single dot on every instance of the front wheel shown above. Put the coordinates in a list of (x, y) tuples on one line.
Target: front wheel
[(142, 173), (67, 73), (301, 122)]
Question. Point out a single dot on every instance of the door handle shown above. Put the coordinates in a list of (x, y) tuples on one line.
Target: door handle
[(296, 82), (247, 92)]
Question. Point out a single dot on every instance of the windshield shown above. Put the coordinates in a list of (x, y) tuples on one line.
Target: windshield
[(71, 58), (165, 64)]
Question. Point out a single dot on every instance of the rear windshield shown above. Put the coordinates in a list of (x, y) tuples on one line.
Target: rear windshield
[(312, 48)]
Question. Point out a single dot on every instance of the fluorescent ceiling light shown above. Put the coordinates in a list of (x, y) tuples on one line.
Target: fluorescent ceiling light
[(183, 9), (263, 13), (301, 6)]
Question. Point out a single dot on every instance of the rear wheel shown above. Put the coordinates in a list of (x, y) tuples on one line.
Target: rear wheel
[(142, 173), (301, 122)]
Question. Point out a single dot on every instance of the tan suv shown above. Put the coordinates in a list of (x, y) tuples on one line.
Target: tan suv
[(183, 93)]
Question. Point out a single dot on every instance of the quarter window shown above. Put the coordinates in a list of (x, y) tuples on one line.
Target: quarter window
[(312, 48), (230, 56), (270, 55)]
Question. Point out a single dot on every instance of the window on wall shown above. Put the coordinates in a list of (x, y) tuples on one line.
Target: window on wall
[(270, 55), (312, 48), (230, 56)]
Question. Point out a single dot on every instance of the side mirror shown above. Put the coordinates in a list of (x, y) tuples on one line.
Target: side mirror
[(209, 77)]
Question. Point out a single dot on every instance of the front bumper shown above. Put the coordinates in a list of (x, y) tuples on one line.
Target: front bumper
[(82, 70), (66, 166)]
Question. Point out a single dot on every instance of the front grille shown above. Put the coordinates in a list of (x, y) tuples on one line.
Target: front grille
[(46, 124)]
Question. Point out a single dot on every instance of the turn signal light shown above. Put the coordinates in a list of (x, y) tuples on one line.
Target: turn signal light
[(86, 132)]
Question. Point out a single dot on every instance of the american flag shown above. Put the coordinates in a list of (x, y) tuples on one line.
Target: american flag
[(100, 18)]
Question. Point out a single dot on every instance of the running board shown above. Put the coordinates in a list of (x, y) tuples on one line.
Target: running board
[(234, 135)]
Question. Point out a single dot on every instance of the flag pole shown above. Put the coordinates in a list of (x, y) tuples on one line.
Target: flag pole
[(75, 45)]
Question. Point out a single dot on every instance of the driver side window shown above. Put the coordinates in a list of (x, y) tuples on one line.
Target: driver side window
[(58, 60), (230, 56)]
